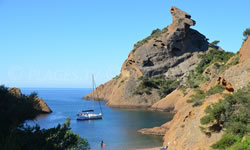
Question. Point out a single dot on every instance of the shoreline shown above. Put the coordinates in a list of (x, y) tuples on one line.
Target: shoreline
[(154, 148)]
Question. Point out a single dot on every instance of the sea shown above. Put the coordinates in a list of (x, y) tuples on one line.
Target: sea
[(117, 129)]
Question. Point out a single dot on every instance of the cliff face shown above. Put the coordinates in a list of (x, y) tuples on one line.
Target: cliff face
[(43, 107), (171, 52), (245, 50), (183, 131)]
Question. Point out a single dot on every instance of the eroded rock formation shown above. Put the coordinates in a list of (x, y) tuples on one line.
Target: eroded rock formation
[(172, 52), (183, 131)]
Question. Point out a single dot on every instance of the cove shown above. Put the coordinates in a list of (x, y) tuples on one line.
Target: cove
[(118, 128)]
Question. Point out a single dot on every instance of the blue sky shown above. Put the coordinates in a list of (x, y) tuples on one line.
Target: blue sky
[(60, 43)]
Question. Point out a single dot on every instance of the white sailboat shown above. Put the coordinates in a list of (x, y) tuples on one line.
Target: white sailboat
[(90, 113)]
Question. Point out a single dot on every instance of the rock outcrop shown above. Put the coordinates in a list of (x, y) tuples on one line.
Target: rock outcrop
[(245, 50), (172, 52), (161, 131), (15, 92), (43, 107), (183, 131)]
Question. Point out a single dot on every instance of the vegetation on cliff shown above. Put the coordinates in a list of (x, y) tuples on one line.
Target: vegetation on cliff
[(15, 111), (218, 58), (230, 114), (200, 95), (246, 33), (155, 34), (163, 85)]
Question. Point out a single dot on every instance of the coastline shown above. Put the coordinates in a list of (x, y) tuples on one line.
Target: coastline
[(154, 148)]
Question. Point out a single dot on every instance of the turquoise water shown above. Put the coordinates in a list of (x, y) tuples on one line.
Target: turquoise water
[(117, 128)]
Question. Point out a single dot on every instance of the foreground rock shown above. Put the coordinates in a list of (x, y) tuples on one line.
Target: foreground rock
[(161, 131), (172, 52), (43, 107)]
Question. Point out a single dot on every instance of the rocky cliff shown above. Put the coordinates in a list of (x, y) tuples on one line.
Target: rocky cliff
[(204, 73), (43, 107), (171, 52), (184, 130)]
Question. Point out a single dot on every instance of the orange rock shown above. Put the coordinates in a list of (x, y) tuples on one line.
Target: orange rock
[(245, 50), (228, 86)]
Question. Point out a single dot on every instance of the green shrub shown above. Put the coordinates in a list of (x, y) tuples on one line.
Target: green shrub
[(235, 60), (214, 56), (122, 81), (216, 89), (211, 57), (206, 119), (200, 95), (232, 114), (226, 141), (197, 97), (116, 77), (241, 145), (160, 83), (194, 80), (155, 34), (214, 43), (246, 33), (167, 87)]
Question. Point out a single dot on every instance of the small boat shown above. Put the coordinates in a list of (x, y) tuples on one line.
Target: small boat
[(89, 114)]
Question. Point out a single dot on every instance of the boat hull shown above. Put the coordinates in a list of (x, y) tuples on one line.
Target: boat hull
[(89, 117)]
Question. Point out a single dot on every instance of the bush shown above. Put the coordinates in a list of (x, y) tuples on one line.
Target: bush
[(214, 43), (226, 141), (15, 135), (155, 34), (246, 33), (216, 89), (194, 80), (167, 87), (116, 77), (211, 57), (206, 119), (160, 83), (235, 60), (214, 56), (232, 114), (200, 95), (241, 145)]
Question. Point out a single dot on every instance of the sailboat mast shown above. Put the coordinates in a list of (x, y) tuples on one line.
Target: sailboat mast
[(93, 84), (97, 97)]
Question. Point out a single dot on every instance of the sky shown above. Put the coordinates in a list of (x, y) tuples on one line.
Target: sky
[(61, 43)]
